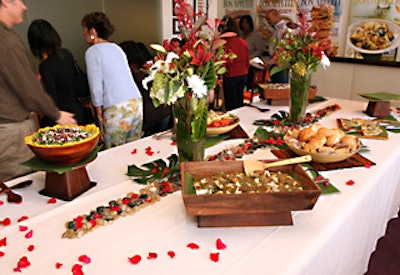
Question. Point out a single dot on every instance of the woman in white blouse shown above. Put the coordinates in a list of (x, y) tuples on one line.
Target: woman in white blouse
[(116, 97)]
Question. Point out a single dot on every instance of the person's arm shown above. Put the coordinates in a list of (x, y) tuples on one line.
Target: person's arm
[(95, 76)]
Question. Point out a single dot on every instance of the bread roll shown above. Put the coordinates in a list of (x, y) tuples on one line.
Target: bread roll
[(305, 134)]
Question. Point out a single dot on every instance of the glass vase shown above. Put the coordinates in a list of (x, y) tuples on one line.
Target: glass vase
[(299, 89), (190, 127)]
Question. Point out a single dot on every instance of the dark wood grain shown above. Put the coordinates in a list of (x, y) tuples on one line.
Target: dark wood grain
[(243, 209)]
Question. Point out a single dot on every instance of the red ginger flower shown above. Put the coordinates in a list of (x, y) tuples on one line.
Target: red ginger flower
[(200, 55)]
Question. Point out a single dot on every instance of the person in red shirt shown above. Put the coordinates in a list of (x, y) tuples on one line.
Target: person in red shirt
[(235, 78)]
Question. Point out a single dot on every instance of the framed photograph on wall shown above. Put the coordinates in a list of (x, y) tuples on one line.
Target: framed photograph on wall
[(175, 26)]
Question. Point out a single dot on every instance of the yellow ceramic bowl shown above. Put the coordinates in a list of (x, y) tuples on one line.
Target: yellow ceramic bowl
[(67, 153)]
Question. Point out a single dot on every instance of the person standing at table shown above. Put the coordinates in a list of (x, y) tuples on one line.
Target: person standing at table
[(116, 97), (154, 119), (235, 78), (254, 40), (279, 25), (21, 95), (57, 69), (255, 43)]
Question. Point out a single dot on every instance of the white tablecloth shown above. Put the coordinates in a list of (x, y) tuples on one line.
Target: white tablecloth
[(336, 237)]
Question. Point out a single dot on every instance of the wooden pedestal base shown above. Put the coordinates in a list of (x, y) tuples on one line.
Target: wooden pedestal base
[(68, 185), (378, 109), (256, 219)]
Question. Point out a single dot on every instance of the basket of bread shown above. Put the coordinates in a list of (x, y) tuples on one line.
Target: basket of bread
[(325, 145)]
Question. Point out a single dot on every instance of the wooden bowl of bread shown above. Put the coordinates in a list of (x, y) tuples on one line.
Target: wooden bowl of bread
[(325, 145)]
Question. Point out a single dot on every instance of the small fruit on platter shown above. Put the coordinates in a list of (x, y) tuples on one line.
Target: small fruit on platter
[(58, 135), (220, 119)]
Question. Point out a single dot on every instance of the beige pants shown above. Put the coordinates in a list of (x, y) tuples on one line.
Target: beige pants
[(13, 149)]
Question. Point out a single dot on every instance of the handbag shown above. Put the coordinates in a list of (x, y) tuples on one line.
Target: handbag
[(81, 84)]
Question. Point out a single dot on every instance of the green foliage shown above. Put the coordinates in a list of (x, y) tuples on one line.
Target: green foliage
[(155, 170)]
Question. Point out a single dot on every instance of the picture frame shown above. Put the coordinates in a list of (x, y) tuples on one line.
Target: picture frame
[(175, 26)]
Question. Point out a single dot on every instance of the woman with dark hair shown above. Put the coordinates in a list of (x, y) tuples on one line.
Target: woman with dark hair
[(115, 95), (144, 51), (257, 46), (57, 69), (154, 119)]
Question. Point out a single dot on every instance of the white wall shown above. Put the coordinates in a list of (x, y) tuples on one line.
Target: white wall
[(347, 80)]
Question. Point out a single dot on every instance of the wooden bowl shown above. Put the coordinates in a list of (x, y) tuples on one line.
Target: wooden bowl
[(246, 209), (68, 153), (216, 131), (324, 157)]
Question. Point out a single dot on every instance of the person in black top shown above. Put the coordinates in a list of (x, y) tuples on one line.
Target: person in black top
[(154, 119), (57, 70)]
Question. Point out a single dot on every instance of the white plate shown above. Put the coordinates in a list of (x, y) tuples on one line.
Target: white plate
[(394, 28)]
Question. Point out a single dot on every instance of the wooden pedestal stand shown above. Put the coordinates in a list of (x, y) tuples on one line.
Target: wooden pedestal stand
[(68, 185), (378, 109)]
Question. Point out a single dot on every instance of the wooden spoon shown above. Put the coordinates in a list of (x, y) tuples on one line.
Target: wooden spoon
[(254, 165), (11, 196)]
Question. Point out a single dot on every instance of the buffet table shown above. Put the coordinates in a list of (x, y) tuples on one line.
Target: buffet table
[(336, 237)]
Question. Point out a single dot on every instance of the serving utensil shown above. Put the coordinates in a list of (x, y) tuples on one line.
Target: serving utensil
[(258, 108), (11, 196), (250, 166)]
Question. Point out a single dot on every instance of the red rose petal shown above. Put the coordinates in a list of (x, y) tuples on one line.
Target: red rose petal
[(1, 202), (29, 234), (58, 265), (23, 262), (84, 259), (52, 200), (152, 255), (3, 242), (17, 269), (135, 259), (23, 228), (214, 257), (368, 165), (350, 182), (23, 218), (77, 269), (31, 247), (2, 253), (6, 221), (173, 143), (134, 151), (193, 246), (220, 244), (171, 254)]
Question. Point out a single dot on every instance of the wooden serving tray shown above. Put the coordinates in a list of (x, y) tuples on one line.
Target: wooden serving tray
[(246, 209), (280, 96)]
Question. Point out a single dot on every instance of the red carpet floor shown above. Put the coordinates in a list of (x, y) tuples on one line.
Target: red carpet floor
[(386, 258)]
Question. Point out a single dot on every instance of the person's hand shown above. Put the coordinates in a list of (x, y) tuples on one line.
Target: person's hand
[(66, 118)]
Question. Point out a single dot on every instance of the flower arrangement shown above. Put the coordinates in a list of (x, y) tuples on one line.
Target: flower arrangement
[(184, 77), (192, 71), (299, 50)]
